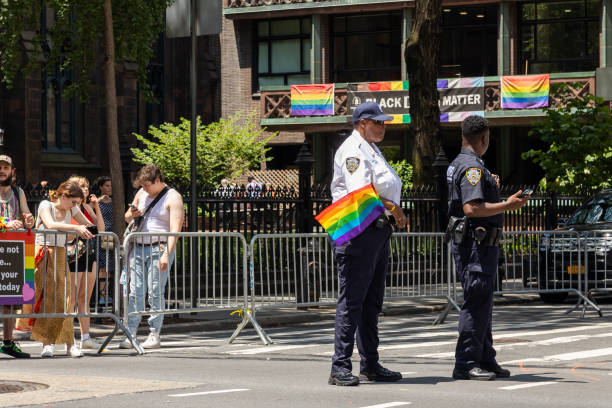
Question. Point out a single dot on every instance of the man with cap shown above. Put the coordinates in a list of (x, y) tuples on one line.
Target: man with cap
[(362, 261), (476, 216), (14, 208)]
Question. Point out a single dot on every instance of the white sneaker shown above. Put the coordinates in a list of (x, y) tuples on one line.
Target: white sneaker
[(90, 344), (153, 341), (47, 351), (74, 351), (125, 344)]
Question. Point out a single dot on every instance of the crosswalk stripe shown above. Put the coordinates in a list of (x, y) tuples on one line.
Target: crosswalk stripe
[(546, 342), (270, 349), (530, 385), (388, 404), (191, 394)]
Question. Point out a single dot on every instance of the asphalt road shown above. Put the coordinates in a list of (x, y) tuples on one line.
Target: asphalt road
[(557, 360)]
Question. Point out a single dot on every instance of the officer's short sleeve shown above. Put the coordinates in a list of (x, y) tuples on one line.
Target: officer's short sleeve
[(471, 184), (357, 172)]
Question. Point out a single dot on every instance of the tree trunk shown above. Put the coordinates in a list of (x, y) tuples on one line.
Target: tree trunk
[(112, 131), (421, 57)]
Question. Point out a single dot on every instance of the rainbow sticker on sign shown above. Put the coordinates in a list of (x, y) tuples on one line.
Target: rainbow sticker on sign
[(312, 100), (16, 268)]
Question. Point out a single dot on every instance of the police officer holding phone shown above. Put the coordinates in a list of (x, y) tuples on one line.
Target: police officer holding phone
[(476, 216)]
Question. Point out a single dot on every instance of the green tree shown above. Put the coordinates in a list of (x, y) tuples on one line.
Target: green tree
[(404, 171), (579, 155), (225, 149), (72, 41)]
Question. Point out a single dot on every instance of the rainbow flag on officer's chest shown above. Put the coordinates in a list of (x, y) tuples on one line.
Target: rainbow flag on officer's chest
[(351, 215)]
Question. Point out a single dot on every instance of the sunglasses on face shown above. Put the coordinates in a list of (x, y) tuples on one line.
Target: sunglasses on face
[(377, 122)]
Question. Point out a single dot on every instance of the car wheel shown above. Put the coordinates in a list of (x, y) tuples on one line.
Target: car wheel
[(557, 297)]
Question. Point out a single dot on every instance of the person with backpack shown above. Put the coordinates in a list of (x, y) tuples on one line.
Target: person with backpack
[(14, 209)]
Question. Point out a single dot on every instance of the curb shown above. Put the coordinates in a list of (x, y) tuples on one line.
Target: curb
[(286, 317)]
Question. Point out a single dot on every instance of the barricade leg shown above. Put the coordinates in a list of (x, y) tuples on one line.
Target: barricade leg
[(247, 318), (583, 302), (119, 325), (442, 316)]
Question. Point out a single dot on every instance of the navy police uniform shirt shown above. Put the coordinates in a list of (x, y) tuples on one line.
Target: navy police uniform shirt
[(468, 180)]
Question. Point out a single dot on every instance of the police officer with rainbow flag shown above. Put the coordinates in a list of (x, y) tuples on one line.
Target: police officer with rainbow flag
[(366, 192)]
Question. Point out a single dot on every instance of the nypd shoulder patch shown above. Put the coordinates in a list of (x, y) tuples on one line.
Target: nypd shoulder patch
[(352, 164), (473, 175)]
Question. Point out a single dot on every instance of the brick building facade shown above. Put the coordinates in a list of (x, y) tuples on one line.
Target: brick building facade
[(268, 45)]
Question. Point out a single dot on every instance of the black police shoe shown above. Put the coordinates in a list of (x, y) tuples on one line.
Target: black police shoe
[(381, 374), (497, 369), (343, 378), (475, 373)]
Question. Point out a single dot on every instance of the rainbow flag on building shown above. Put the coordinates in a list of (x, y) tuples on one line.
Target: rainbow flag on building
[(312, 100), (525, 91), (351, 215)]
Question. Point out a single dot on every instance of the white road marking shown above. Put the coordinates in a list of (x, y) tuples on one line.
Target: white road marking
[(414, 372), (565, 356), (581, 354), (547, 342), (191, 394), (388, 404), (270, 349), (521, 386)]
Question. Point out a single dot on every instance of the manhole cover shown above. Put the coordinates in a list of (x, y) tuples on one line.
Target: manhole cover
[(508, 341), (7, 386)]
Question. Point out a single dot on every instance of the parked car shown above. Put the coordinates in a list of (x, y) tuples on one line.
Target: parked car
[(579, 254)]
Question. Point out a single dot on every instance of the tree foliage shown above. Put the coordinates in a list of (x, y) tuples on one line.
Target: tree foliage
[(225, 149), (405, 172), (578, 134), (74, 35)]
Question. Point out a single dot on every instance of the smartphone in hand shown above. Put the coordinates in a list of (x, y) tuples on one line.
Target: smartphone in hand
[(526, 192), (93, 229)]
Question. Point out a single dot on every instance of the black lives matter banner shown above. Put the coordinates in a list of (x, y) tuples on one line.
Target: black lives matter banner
[(459, 98)]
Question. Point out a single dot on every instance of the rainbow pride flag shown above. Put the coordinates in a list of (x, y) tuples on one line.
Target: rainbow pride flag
[(525, 91), (312, 100), (351, 215)]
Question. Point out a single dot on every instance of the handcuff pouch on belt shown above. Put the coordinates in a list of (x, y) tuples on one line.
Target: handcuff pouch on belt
[(456, 230), (487, 236)]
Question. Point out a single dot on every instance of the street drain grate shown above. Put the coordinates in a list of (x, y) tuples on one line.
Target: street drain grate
[(509, 341), (7, 386)]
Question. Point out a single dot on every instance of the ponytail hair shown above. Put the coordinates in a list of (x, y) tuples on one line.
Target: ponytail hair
[(67, 188)]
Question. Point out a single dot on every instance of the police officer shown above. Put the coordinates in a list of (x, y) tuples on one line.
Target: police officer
[(474, 194), (362, 261)]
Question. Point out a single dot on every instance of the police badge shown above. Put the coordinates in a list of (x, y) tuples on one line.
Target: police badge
[(473, 175), (352, 164)]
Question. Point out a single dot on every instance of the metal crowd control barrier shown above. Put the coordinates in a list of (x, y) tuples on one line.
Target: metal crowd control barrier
[(597, 272), (208, 273), (549, 263), (64, 276), (298, 270)]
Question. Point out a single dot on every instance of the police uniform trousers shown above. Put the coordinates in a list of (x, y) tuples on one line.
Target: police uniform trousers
[(362, 269), (476, 269)]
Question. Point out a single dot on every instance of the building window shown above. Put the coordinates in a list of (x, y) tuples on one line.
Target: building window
[(366, 47), (468, 45), (560, 36), (59, 113), (283, 51)]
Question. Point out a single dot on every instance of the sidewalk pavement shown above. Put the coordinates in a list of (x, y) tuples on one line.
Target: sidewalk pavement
[(222, 320)]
